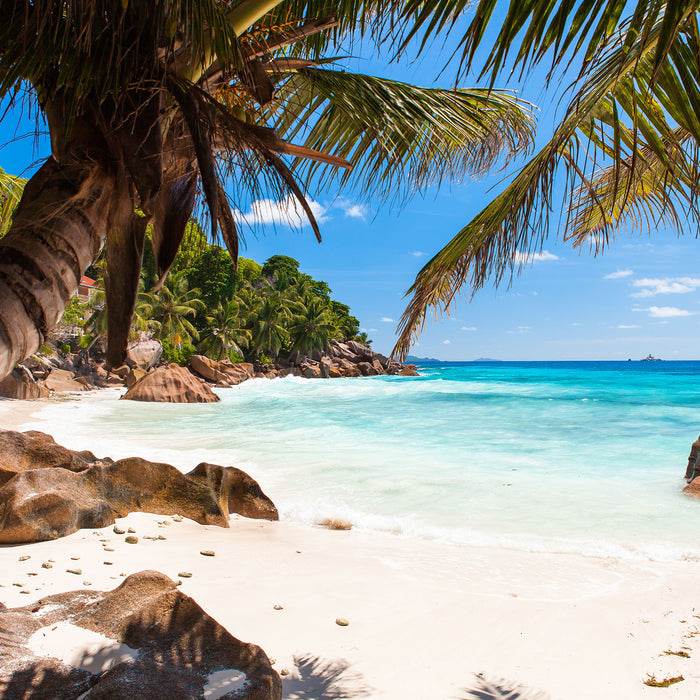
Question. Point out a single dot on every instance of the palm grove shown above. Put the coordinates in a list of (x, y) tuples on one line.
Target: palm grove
[(253, 312), (152, 107)]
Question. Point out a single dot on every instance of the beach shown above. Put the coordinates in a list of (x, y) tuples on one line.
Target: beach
[(428, 618)]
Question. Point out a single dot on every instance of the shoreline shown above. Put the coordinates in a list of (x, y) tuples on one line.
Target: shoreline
[(425, 617)]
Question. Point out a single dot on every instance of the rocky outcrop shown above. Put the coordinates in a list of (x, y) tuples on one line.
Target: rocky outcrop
[(223, 373), (144, 354), (692, 471), (60, 380), (20, 452), (236, 491), (159, 644), (20, 384), (48, 491), (171, 384)]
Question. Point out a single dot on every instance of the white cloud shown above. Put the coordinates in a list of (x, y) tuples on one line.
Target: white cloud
[(618, 274), (524, 329), (622, 325), (576, 323), (469, 328), (667, 285), (417, 253), (535, 294), (287, 212), (356, 211), (445, 342), (372, 330), (667, 312), (386, 319), (520, 258)]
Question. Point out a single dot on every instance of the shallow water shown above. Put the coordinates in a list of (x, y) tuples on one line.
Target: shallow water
[(584, 457)]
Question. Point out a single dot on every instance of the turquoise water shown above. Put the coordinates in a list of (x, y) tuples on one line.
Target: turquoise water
[(565, 456)]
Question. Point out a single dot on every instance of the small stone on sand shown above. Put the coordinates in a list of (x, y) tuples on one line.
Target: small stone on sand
[(118, 530), (75, 558), (108, 563), (24, 557), (278, 607), (108, 549), (131, 529), (341, 622), (47, 565), (131, 539), (185, 574), (77, 572), (208, 553)]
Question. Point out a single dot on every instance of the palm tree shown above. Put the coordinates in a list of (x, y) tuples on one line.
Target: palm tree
[(148, 103), (11, 188), (312, 328), (170, 308), (225, 331), (629, 142), (269, 331)]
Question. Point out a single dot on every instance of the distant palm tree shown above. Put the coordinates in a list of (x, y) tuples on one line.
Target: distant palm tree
[(170, 308), (269, 320), (225, 331), (311, 329)]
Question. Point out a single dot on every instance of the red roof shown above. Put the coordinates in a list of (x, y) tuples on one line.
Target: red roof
[(86, 281)]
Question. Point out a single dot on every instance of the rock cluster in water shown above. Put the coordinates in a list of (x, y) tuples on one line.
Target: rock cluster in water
[(692, 471), (157, 643), (148, 379), (48, 491)]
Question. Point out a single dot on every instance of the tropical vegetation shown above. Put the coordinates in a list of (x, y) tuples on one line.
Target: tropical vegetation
[(624, 155), (154, 106), (206, 305)]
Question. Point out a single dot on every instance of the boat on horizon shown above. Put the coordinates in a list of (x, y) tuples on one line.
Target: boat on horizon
[(650, 358)]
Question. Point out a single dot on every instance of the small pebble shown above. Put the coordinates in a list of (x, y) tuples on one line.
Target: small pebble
[(160, 537), (130, 539), (185, 574), (122, 574), (108, 549), (273, 661), (108, 563), (118, 530), (208, 553), (104, 540), (284, 672), (24, 557), (177, 518), (341, 622), (131, 529), (27, 592), (32, 573), (20, 585), (87, 583), (47, 565), (77, 572), (75, 558), (278, 607)]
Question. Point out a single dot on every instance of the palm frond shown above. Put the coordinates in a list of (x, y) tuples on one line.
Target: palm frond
[(11, 188), (399, 138), (515, 223)]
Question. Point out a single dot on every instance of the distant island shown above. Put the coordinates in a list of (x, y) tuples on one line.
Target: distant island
[(412, 359), (650, 358)]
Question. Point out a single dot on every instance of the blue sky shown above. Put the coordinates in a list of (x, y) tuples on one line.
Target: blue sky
[(641, 296)]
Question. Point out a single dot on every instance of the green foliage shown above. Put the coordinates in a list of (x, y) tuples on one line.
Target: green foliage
[(248, 270), (74, 313), (45, 349), (280, 264), (64, 348), (264, 359), (180, 353)]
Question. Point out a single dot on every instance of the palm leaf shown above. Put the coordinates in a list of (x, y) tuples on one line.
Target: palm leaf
[(11, 188), (517, 220), (399, 138)]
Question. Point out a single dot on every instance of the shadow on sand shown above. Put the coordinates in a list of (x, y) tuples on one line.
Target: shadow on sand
[(485, 689), (319, 679)]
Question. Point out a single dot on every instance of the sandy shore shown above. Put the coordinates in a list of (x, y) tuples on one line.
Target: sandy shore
[(427, 620)]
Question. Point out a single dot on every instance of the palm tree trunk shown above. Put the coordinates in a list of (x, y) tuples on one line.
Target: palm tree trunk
[(57, 231)]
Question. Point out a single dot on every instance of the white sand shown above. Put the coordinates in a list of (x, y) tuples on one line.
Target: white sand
[(424, 617)]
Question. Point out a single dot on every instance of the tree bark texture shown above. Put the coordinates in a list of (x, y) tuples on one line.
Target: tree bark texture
[(58, 229)]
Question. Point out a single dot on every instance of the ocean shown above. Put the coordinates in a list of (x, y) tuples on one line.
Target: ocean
[(582, 457)]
